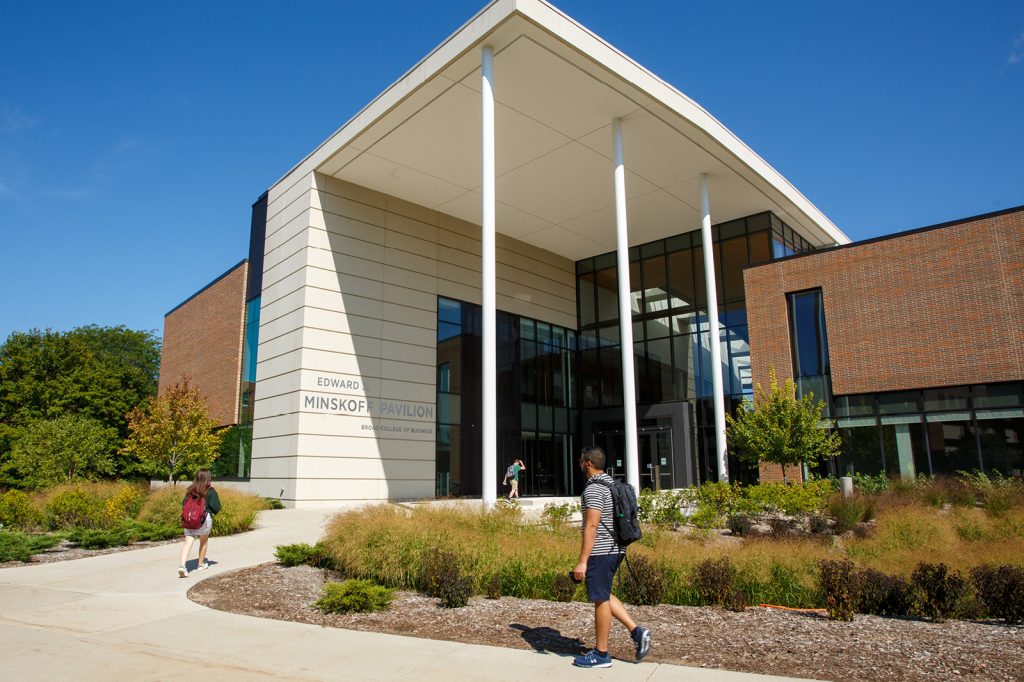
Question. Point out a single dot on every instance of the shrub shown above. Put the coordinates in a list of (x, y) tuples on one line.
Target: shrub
[(16, 546), (441, 577), (714, 580), (18, 511), (818, 525), (642, 582), (494, 587), (72, 508), (354, 596), (739, 600), (237, 512), (866, 483), (663, 507), (274, 503), (838, 588), (938, 590), (303, 554), (558, 515), (881, 594), (124, 504), (125, 533), (782, 527), (299, 554), (563, 588), (739, 524), (163, 506), (847, 512), (1001, 590)]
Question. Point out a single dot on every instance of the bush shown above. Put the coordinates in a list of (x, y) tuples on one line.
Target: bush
[(303, 555), (237, 512), (494, 587), (441, 577), (642, 582), (563, 588), (847, 512), (938, 590), (866, 483), (18, 511), (274, 503), (663, 507), (558, 515), (739, 600), (883, 595), (838, 588), (714, 580), (126, 533), (782, 528), (163, 506), (354, 596), (16, 546), (739, 524), (72, 508), (819, 525), (1001, 590), (125, 504)]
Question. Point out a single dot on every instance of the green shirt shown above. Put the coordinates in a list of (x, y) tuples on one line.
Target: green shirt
[(515, 471), (212, 501)]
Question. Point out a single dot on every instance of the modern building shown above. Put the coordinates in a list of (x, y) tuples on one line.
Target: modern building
[(482, 262)]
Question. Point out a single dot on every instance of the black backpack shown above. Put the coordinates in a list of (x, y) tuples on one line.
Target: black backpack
[(626, 526)]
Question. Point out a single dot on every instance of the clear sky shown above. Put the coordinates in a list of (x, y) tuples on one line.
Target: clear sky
[(134, 136)]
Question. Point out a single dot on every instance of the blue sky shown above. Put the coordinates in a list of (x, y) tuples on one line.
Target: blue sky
[(134, 136)]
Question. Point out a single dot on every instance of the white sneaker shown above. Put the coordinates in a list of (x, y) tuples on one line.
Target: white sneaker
[(182, 572), (203, 566)]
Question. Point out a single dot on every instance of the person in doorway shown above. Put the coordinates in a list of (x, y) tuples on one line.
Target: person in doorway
[(201, 487), (599, 558), (512, 477)]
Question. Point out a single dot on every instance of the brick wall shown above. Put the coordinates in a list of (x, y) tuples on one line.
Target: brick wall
[(937, 307), (203, 341)]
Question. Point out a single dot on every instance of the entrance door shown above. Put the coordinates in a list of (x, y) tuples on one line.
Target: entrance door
[(654, 452)]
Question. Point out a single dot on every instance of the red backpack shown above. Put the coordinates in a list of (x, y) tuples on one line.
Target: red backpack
[(193, 512)]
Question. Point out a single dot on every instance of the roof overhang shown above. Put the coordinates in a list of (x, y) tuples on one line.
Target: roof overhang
[(557, 88)]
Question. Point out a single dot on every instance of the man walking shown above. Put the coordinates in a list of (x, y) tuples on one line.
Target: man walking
[(512, 477), (600, 556)]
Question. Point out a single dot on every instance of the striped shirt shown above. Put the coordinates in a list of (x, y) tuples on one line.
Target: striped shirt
[(597, 496)]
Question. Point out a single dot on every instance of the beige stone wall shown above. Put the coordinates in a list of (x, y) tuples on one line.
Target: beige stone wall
[(347, 358)]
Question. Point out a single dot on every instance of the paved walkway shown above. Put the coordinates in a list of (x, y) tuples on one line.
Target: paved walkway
[(126, 616)]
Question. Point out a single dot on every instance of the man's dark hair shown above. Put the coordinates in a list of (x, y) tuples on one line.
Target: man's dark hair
[(595, 455)]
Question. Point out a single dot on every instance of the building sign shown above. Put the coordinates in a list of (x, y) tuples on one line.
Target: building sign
[(384, 416)]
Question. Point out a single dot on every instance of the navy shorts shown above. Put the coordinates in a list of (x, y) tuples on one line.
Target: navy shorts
[(600, 572)]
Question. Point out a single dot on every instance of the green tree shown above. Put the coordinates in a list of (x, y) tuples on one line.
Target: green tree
[(173, 434), (64, 450), (98, 373), (781, 429)]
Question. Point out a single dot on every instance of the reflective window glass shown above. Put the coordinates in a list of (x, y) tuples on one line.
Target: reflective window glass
[(895, 403), (945, 399), (607, 295), (585, 294), (996, 395), (655, 285), (680, 279)]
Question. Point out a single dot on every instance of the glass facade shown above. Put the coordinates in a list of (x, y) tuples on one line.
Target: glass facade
[(235, 457), (672, 334), (935, 431), (538, 420)]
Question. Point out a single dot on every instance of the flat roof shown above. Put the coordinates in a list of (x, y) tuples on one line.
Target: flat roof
[(557, 87)]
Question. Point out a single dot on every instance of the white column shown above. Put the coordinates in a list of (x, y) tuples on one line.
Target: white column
[(713, 330), (625, 312), (489, 357)]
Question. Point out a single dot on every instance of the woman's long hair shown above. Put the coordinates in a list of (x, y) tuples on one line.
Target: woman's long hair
[(201, 485)]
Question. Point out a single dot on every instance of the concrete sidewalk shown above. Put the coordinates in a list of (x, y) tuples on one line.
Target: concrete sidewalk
[(126, 616)]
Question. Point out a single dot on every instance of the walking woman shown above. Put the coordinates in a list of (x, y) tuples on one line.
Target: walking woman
[(201, 489)]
